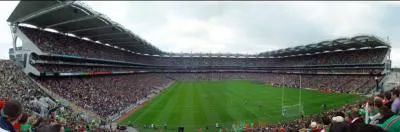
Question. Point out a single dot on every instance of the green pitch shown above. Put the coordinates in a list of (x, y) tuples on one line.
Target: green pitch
[(204, 103)]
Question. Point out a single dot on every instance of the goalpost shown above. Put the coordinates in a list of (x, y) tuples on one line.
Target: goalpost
[(292, 110)]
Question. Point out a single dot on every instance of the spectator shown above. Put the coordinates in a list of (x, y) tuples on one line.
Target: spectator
[(387, 101), (392, 124), (396, 101), (376, 110), (369, 128), (22, 121), (385, 113), (2, 103), (10, 113), (338, 125)]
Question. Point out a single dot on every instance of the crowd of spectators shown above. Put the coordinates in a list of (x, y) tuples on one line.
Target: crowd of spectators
[(75, 68), (15, 118), (100, 68), (16, 85), (106, 95), (64, 45), (26, 108)]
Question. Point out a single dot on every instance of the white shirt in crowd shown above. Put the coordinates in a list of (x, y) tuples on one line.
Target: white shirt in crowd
[(2, 130)]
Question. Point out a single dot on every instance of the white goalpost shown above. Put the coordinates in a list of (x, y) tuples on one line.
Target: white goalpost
[(292, 110)]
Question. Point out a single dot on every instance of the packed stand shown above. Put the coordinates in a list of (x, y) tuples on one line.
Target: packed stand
[(74, 68), (64, 45), (101, 68), (105, 95), (26, 108), (16, 85), (58, 119)]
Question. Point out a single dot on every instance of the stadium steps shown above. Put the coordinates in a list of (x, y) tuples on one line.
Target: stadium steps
[(392, 80), (367, 90), (389, 82)]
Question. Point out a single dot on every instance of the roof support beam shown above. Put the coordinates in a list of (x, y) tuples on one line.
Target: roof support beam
[(341, 44), (126, 43), (74, 20), (92, 28), (119, 40), (114, 39), (383, 42), (105, 34), (43, 11), (360, 43)]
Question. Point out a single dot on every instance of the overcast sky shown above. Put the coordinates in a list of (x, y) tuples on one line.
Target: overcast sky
[(244, 27)]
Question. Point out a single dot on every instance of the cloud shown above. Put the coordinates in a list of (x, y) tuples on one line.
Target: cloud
[(247, 27), (6, 7)]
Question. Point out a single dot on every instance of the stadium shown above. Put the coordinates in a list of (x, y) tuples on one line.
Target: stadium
[(74, 68)]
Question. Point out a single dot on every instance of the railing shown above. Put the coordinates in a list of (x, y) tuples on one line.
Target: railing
[(161, 66)]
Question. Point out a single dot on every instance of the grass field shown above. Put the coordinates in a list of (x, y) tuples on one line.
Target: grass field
[(203, 103)]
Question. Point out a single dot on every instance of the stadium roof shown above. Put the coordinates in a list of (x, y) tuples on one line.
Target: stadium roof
[(357, 42), (77, 18)]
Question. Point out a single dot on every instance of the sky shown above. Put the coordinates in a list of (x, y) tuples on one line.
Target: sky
[(242, 26)]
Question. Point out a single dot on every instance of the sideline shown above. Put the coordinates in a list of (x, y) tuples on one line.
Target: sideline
[(144, 103)]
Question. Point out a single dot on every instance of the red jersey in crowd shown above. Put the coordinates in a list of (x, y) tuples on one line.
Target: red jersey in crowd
[(2, 103), (17, 126), (282, 129)]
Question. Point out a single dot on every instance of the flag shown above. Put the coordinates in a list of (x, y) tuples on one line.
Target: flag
[(366, 113)]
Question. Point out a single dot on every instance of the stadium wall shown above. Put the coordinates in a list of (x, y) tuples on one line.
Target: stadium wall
[(23, 54)]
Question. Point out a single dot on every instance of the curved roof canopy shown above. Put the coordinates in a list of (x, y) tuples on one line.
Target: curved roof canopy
[(77, 18), (356, 42)]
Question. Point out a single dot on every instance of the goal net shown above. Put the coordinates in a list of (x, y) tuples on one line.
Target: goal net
[(292, 110)]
